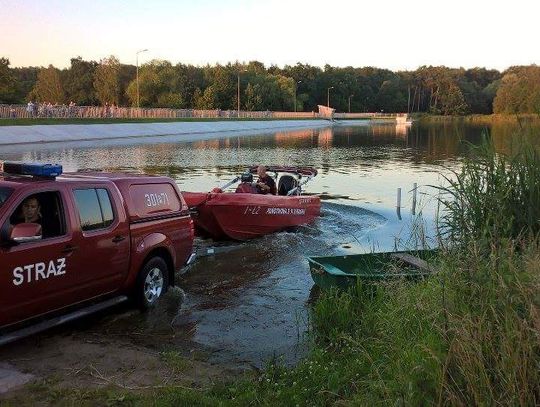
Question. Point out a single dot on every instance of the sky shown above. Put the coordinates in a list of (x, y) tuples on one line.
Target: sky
[(396, 35)]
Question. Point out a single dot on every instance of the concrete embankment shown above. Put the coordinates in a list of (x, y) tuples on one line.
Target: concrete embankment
[(175, 131)]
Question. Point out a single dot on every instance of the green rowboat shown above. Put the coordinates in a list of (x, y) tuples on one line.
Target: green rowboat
[(344, 271)]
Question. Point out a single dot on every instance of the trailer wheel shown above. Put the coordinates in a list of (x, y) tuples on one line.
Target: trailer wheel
[(152, 282)]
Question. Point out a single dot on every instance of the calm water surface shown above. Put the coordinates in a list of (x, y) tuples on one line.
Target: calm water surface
[(250, 303)]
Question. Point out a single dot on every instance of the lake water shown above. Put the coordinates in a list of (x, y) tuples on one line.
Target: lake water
[(250, 303)]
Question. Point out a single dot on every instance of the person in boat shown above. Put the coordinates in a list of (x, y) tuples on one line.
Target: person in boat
[(246, 184), (265, 183)]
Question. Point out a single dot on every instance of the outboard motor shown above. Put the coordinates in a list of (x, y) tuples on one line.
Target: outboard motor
[(286, 183)]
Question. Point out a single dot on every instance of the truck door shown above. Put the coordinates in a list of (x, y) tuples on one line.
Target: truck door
[(103, 236), (39, 276)]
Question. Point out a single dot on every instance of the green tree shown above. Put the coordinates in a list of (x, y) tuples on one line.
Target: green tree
[(222, 81), (126, 76), (207, 99), (7, 82), (107, 81), (171, 100), (519, 91), (309, 87), (391, 97), (490, 91), (434, 89), (148, 87), (475, 86), (452, 101), (482, 76), (79, 82), (211, 87), (268, 92), (511, 95), (160, 85), (253, 97), (188, 79), (25, 80), (48, 87)]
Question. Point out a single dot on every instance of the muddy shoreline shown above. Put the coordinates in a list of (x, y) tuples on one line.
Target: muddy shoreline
[(92, 353)]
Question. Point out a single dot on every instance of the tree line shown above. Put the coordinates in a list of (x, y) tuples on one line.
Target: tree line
[(429, 89)]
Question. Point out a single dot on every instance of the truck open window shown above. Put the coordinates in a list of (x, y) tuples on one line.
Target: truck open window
[(95, 208), (45, 209)]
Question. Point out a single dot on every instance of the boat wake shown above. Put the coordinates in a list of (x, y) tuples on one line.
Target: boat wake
[(339, 227), (347, 225)]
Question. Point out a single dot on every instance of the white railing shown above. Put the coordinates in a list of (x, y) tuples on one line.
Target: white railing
[(116, 112)]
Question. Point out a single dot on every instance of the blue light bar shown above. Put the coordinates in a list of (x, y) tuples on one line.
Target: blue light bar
[(34, 169)]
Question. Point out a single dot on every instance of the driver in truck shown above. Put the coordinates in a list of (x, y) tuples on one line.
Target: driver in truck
[(29, 212)]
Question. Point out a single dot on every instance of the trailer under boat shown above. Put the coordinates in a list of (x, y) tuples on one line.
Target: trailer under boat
[(243, 216)]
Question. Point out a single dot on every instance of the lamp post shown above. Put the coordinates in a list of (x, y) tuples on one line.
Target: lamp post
[(350, 96), (328, 96), (295, 88), (137, 63)]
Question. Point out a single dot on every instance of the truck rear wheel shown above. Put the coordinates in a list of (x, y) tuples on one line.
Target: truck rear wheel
[(152, 282)]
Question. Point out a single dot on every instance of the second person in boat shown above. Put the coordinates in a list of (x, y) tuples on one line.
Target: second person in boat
[(265, 183)]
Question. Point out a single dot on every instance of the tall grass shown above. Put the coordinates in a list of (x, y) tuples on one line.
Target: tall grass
[(492, 222), (493, 326), (493, 197)]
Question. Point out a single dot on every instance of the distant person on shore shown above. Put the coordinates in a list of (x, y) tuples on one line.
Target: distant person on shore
[(30, 108), (71, 108), (12, 113)]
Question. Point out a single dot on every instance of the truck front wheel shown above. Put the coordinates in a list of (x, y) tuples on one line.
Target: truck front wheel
[(152, 282)]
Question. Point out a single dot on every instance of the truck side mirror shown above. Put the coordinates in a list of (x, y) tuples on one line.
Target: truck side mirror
[(26, 232)]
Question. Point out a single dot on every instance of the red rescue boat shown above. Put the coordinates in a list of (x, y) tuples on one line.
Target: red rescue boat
[(245, 214)]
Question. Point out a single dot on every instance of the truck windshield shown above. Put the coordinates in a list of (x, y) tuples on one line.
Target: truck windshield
[(4, 194)]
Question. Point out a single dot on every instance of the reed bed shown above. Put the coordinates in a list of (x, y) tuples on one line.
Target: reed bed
[(493, 198)]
